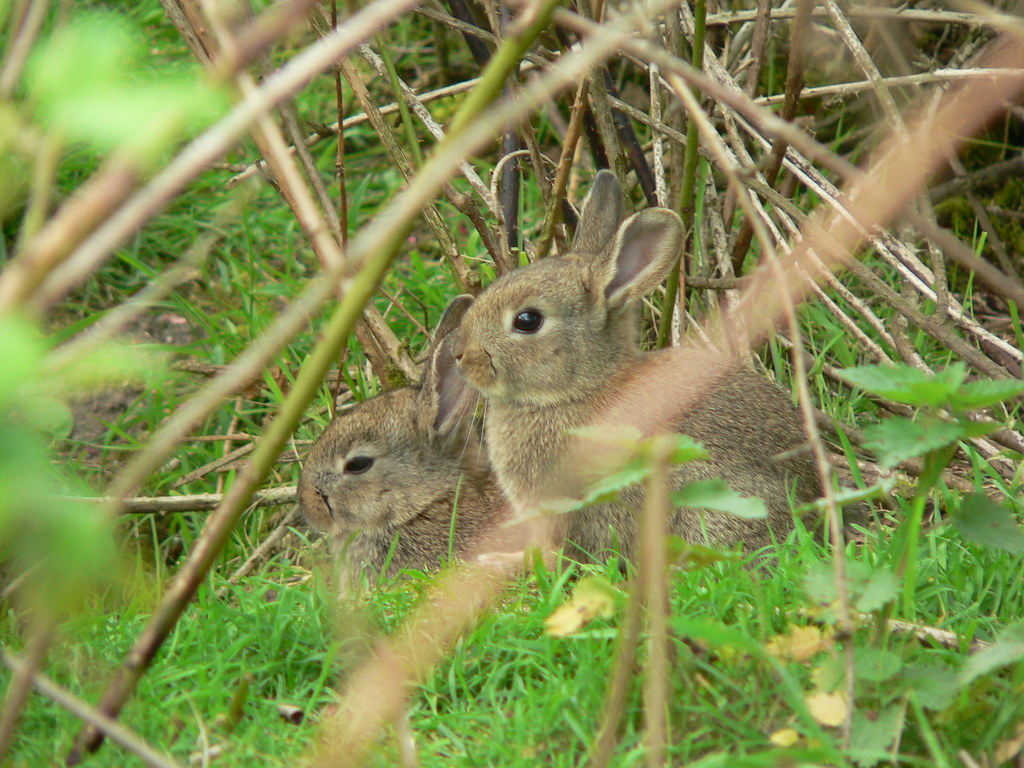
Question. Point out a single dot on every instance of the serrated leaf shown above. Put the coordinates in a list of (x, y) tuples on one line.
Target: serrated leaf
[(869, 586), (905, 384), (985, 392), (881, 587), (874, 733), (1008, 648), (983, 521), (716, 495), (936, 686), (898, 439), (876, 664), (686, 449)]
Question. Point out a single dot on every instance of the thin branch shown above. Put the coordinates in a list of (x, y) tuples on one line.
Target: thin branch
[(118, 733)]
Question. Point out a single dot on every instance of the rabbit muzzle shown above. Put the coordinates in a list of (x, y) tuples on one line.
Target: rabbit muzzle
[(476, 365)]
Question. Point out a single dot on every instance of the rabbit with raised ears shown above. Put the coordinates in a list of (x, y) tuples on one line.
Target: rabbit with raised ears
[(553, 345), (387, 476)]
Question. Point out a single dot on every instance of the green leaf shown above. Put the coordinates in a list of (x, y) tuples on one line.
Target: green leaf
[(983, 521), (881, 587), (22, 349), (906, 384), (874, 733), (1007, 649), (89, 83), (985, 392), (608, 487), (716, 495), (686, 449), (898, 439), (870, 586), (936, 686), (876, 664)]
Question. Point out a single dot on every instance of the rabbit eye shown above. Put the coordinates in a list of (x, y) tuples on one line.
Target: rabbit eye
[(528, 321), (358, 464)]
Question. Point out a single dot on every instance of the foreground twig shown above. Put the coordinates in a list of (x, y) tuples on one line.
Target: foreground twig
[(115, 730), (200, 502)]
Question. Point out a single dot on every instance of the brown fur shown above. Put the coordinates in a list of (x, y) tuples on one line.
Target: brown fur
[(425, 453), (577, 365)]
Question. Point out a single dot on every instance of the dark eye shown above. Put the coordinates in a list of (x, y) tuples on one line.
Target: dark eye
[(528, 321), (358, 464)]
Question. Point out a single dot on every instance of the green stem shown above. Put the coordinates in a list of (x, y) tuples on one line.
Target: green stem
[(688, 189), (403, 108), (906, 567), (521, 34)]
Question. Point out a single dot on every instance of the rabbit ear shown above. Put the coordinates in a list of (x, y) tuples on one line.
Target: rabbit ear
[(646, 247), (442, 398), (603, 212), (451, 317)]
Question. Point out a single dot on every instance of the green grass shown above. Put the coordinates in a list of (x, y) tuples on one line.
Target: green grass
[(508, 694)]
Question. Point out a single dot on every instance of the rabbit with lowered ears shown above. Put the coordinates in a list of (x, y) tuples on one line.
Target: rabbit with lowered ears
[(553, 345), (387, 476)]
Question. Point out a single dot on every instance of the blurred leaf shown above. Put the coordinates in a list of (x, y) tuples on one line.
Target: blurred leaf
[(608, 487), (715, 634), (905, 384), (985, 392), (936, 686), (22, 349), (798, 644), (827, 708), (787, 737), (1007, 649), (716, 495), (593, 598), (49, 415), (897, 439), (693, 557), (870, 586), (881, 587), (111, 365), (86, 83), (874, 733), (877, 664), (686, 449), (983, 521)]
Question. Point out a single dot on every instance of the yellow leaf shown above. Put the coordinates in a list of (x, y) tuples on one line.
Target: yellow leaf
[(827, 708), (787, 737), (800, 644), (593, 598)]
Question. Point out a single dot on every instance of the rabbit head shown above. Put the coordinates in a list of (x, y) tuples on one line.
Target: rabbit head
[(552, 345), (555, 330), (395, 462)]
